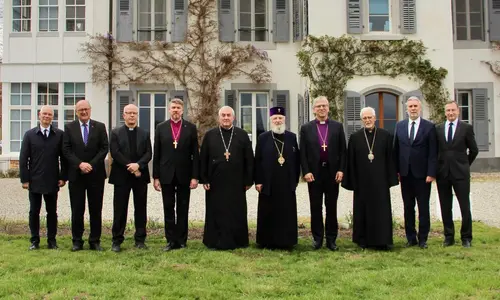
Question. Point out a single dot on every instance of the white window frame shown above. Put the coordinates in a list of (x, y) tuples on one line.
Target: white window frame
[(153, 30), (24, 20), (75, 5), (254, 108), (70, 99), (21, 107), (461, 106), (49, 5), (467, 20), (390, 15), (252, 21), (152, 109)]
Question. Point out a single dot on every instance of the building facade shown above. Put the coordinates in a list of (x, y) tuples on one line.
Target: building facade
[(42, 64)]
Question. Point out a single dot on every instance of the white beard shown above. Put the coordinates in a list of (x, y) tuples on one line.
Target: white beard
[(278, 129)]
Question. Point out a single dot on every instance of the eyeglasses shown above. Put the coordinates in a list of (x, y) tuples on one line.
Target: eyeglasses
[(83, 110)]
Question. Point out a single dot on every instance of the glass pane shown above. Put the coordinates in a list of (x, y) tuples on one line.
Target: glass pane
[(25, 126), (70, 2), (160, 115), (460, 5), (475, 5), (144, 100), (53, 100), (44, 13), (15, 100), (80, 2), (16, 2), (144, 6), (80, 25), (245, 6), (145, 36), (476, 33), (145, 20), (43, 2), (379, 7), (390, 125), (26, 114), (26, 100), (15, 146), (160, 6), (160, 36), (379, 23), (15, 88), (261, 120), (464, 114), (42, 88), (372, 101), (80, 12), (261, 100), (53, 87), (461, 33), (245, 36), (475, 19), (15, 130), (43, 25), (53, 12), (15, 114), (160, 100), (144, 119), (42, 100), (27, 88), (246, 99), (260, 20), (69, 88), (69, 115), (53, 2), (463, 99), (260, 6), (70, 12), (245, 20), (53, 25), (461, 19), (160, 21), (69, 100), (80, 88), (390, 105), (260, 35), (246, 119)]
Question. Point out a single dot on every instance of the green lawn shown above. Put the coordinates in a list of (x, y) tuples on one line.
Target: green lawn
[(198, 273)]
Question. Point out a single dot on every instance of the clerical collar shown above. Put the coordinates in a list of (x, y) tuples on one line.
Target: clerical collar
[(172, 120), (226, 128), (131, 128), (321, 122), (370, 130)]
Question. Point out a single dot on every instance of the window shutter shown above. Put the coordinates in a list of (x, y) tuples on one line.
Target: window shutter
[(179, 20), (305, 18), (281, 20), (307, 102), (353, 104), (480, 117), (408, 16), (407, 96), (226, 20), (124, 25), (298, 20), (181, 94), (494, 20), (282, 98), (230, 99), (354, 16), (300, 105), (123, 99)]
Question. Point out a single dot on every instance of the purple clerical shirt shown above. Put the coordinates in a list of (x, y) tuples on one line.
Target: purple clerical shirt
[(322, 134)]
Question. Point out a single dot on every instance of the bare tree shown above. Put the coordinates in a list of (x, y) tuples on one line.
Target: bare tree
[(200, 65)]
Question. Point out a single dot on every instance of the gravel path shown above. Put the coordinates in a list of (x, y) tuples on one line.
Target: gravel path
[(485, 198)]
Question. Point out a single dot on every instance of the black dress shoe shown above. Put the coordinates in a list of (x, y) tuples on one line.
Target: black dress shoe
[(317, 245), (411, 243), (466, 244), (34, 246), (116, 248), (140, 245), (182, 246), (448, 242), (170, 247), (332, 246), (96, 247), (52, 245), (423, 245), (77, 248)]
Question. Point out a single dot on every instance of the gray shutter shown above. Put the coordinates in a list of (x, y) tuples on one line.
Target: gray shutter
[(408, 16), (282, 98), (407, 96), (123, 98), (305, 18), (306, 106), (230, 99), (124, 21), (354, 16), (179, 20), (281, 20), (226, 20), (480, 117), (300, 105), (298, 20), (181, 94), (494, 10), (353, 104)]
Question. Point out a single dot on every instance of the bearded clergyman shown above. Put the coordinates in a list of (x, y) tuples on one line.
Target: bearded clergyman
[(277, 172)]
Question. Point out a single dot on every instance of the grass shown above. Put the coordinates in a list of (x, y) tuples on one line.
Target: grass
[(199, 273)]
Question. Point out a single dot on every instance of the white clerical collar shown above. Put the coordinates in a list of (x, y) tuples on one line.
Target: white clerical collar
[(130, 128), (226, 128)]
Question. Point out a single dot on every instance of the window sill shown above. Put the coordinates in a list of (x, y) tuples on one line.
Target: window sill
[(381, 37), (47, 34), (74, 34), (20, 34), (259, 45), (471, 44)]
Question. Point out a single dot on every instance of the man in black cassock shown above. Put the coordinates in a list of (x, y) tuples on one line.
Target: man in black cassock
[(226, 174), (277, 172), (370, 174)]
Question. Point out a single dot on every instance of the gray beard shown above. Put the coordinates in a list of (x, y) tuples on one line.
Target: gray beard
[(278, 129)]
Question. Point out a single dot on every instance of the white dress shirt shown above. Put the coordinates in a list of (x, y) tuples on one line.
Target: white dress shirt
[(81, 128), (42, 129), (447, 125), (417, 123)]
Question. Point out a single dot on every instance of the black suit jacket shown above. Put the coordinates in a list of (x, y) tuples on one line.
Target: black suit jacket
[(422, 153), (310, 148), (184, 161), (41, 162), (120, 151), (265, 158), (453, 159), (94, 152)]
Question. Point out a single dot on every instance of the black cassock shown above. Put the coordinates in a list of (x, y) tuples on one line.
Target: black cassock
[(277, 209), (371, 182), (226, 224)]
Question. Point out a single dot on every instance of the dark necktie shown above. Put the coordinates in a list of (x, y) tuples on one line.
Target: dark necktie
[(85, 133), (46, 133), (412, 132), (450, 133)]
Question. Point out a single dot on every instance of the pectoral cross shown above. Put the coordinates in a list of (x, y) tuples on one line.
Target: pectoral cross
[(175, 144), (227, 154), (324, 146)]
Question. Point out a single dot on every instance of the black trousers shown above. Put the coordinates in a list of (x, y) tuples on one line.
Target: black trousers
[(175, 210), (94, 190), (416, 190), (120, 210), (324, 185), (462, 192), (34, 216)]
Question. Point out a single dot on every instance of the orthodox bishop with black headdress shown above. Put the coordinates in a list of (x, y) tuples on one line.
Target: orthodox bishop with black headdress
[(277, 172), (227, 164)]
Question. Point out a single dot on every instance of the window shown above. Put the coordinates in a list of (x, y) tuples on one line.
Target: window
[(152, 110), (386, 109), (464, 104), (379, 15), (254, 114), (152, 20), (468, 20), (20, 113), (48, 94), (21, 15), (48, 11), (75, 15), (73, 92), (253, 20)]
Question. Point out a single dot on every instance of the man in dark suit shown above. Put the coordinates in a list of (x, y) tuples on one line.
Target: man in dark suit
[(415, 152), (175, 172), (323, 160), (455, 139), (85, 147), (43, 171), (131, 151)]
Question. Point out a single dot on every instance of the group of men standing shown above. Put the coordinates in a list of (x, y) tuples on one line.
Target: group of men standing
[(226, 166)]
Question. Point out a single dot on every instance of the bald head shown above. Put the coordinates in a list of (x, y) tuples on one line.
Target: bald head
[(46, 115), (130, 114), (82, 108)]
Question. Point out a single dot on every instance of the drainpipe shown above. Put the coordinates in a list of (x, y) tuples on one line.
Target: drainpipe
[(110, 67)]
